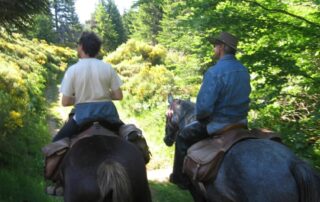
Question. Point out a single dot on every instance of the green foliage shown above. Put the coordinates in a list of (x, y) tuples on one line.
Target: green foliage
[(145, 25), (104, 27), (151, 72), (23, 75), (66, 22), (167, 192), (29, 188), (156, 81), (116, 19), (19, 14), (107, 22), (278, 45), (25, 68), (43, 28)]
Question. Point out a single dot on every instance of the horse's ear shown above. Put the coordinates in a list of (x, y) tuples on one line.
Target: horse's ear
[(170, 98)]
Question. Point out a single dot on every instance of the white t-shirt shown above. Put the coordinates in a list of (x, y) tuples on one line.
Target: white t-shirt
[(90, 80)]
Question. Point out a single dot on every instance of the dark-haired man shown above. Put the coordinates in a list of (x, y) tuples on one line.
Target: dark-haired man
[(90, 85), (223, 99)]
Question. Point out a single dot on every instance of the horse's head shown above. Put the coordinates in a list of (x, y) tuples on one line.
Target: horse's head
[(178, 114)]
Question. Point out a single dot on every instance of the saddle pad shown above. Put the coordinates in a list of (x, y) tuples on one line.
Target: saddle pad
[(95, 129)]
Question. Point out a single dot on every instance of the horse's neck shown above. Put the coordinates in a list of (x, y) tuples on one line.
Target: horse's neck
[(187, 114)]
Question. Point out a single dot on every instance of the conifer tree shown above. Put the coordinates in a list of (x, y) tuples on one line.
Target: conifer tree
[(66, 21), (107, 22), (146, 22), (43, 28), (103, 26), (116, 19)]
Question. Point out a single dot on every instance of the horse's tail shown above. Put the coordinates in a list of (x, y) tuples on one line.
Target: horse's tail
[(114, 182), (308, 182)]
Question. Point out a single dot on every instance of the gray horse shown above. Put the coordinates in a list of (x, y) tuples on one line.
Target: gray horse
[(253, 170)]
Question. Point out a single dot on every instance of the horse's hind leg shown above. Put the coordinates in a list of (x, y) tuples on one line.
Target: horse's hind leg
[(196, 194)]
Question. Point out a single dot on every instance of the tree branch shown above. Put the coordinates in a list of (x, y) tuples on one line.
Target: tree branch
[(284, 12)]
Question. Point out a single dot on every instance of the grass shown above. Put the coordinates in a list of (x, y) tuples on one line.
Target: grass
[(152, 124), (21, 174), (19, 186), (166, 192)]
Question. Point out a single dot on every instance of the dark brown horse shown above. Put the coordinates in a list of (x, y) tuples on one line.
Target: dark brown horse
[(253, 170), (104, 169)]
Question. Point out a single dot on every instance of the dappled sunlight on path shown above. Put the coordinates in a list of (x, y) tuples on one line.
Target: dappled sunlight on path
[(57, 113), (160, 175)]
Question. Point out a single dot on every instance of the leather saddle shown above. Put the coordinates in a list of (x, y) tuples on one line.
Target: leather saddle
[(203, 158), (55, 151)]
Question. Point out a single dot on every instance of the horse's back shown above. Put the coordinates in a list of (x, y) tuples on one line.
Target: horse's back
[(82, 162), (257, 170)]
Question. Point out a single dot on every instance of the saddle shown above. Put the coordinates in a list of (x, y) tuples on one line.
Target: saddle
[(54, 152), (203, 158)]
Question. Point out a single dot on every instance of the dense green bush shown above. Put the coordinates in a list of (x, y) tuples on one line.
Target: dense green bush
[(25, 70), (151, 72), (25, 67)]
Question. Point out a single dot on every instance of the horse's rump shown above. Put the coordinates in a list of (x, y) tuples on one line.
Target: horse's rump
[(257, 170), (110, 158)]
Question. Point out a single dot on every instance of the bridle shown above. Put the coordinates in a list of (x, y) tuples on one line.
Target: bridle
[(172, 125)]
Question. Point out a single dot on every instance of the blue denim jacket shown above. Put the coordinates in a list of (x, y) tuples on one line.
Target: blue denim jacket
[(224, 94)]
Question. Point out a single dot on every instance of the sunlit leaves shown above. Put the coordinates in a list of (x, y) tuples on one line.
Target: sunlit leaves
[(24, 69), (19, 14)]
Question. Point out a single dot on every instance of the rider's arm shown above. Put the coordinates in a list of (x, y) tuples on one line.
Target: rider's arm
[(207, 97), (116, 94), (67, 101), (67, 89)]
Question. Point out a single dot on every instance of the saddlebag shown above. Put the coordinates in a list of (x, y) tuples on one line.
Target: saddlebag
[(134, 135), (54, 153)]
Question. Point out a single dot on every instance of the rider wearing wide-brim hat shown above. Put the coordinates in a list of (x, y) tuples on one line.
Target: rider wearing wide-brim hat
[(223, 99)]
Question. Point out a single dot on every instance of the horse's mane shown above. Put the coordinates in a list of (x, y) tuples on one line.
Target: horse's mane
[(187, 104), (186, 111)]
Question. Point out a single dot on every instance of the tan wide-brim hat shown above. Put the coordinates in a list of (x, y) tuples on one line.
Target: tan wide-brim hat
[(225, 38)]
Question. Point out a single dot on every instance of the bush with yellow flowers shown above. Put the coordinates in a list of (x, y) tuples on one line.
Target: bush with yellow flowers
[(25, 69), (151, 72)]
